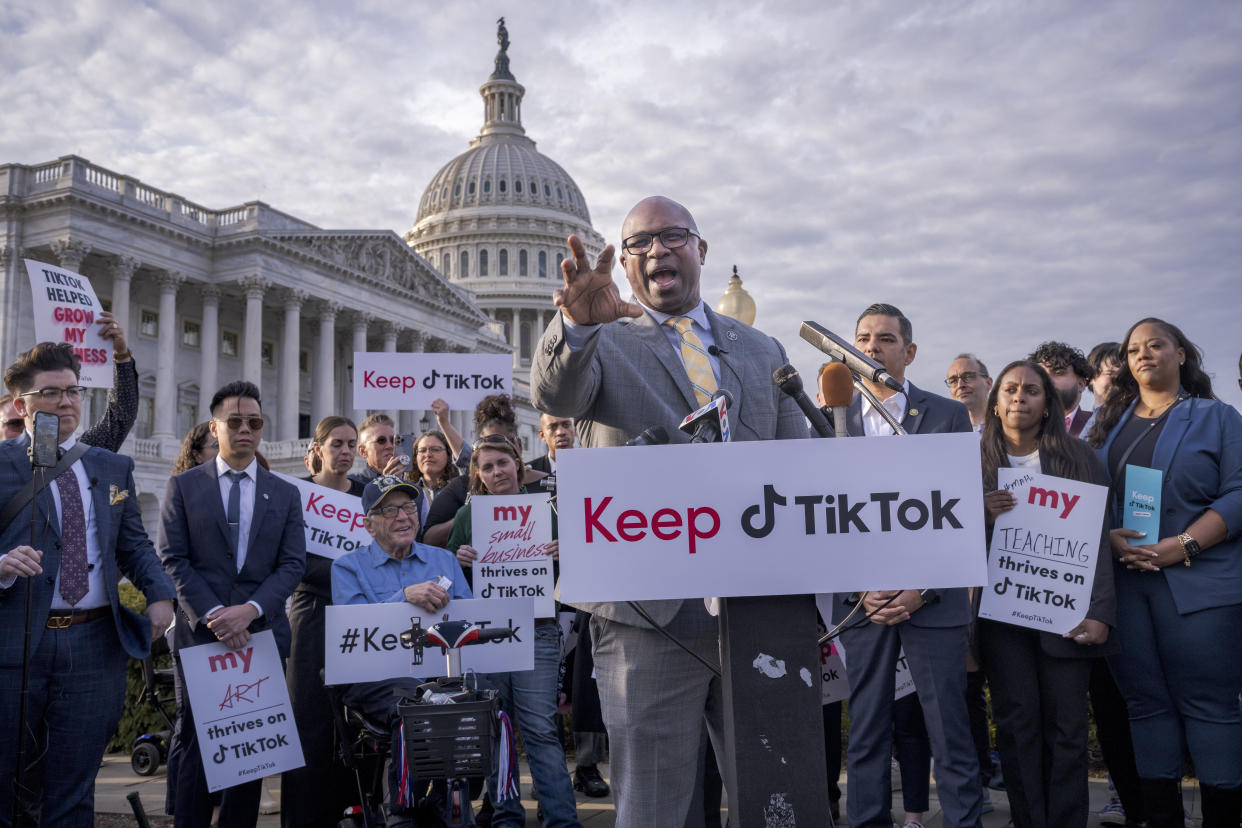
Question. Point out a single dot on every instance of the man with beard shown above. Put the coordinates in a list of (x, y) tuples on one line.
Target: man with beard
[(1070, 373)]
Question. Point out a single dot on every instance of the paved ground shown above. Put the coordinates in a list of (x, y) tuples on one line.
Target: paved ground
[(116, 780)]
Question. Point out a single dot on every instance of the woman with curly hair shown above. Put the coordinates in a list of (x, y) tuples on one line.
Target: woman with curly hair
[(1179, 595)]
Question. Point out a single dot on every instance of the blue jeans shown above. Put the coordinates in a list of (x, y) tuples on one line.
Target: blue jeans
[(529, 697)]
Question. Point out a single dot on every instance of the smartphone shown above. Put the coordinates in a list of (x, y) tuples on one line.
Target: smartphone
[(44, 448)]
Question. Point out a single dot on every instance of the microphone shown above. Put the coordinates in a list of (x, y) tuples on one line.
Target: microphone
[(789, 381), (710, 424), (854, 359), (836, 389), (714, 351), (654, 436)]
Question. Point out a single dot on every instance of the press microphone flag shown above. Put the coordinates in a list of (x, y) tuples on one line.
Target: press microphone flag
[(710, 424)]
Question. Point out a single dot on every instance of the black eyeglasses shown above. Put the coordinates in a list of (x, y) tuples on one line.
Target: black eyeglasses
[(384, 439), (410, 508), (53, 394), (671, 237), (958, 379), (235, 422), (16, 422)]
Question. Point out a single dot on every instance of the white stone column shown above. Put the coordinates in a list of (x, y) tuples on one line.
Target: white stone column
[(290, 375), (323, 401), (166, 358), (390, 331), (70, 253), (209, 350), (253, 287), (122, 276), (361, 321)]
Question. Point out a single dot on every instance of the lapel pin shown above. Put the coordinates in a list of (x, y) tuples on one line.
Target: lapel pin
[(731, 335), (265, 497), (914, 412)]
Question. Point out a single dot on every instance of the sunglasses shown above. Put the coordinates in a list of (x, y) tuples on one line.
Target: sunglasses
[(235, 422), (494, 441)]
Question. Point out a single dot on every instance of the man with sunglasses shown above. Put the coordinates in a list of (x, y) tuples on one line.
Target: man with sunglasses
[(393, 567), (232, 539), (377, 444), (618, 368), (87, 533)]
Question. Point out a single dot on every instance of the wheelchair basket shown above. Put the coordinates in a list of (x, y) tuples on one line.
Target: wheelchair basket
[(451, 741)]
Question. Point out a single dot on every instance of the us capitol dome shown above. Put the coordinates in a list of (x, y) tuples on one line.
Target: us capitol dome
[(494, 220)]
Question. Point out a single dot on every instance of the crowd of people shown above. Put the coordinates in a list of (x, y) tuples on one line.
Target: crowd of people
[(1155, 655)]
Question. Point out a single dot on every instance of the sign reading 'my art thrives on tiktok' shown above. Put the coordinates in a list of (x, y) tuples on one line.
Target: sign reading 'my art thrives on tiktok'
[(407, 382)]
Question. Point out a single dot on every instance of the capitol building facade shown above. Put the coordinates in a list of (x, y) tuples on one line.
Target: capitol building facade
[(207, 296)]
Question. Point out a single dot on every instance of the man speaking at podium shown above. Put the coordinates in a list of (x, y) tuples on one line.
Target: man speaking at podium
[(618, 368)]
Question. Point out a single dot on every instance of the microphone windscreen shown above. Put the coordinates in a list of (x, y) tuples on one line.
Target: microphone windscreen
[(836, 385), (788, 379)]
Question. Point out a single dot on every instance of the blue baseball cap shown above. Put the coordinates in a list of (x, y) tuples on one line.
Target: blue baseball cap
[(384, 485)]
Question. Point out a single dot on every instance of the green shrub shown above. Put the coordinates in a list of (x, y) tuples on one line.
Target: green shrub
[(137, 718)]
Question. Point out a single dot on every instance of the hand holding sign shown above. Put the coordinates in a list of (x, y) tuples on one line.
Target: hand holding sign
[(428, 595), (111, 330)]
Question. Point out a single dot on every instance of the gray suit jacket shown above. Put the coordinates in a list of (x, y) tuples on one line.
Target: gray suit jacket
[(628, 378), (926, 413)]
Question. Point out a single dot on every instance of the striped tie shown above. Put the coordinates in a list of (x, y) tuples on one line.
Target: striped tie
[(694, 357)]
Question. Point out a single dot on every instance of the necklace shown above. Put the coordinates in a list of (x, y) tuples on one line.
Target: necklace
[(1152, 412)]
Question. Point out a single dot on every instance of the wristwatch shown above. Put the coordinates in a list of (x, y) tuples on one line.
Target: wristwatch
[(1190, 547)]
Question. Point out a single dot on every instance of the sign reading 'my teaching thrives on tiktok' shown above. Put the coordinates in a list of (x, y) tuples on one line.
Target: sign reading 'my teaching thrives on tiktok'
[(1041, 566), (407, 382), (778, 517)]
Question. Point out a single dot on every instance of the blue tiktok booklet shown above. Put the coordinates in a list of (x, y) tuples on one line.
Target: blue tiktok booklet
[(1141, 503)]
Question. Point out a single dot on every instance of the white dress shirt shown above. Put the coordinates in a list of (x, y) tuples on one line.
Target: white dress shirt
[(249, 485), (874, 424)]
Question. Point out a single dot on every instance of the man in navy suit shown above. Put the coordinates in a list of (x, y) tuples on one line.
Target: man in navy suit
[(930, 624), (88, 532), (232, 538)]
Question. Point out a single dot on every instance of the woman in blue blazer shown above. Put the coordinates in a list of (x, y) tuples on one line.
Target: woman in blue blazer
[(1179, 596)]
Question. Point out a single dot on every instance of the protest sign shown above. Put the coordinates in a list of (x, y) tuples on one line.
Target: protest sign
[(1041, 564), (778, 517), (65, 310), (511, 534), (333, 519), (836, 682), (241, 709), (362, 642), (409, 382)]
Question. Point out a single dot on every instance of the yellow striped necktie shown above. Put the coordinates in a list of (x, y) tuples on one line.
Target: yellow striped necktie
[(694, 357)]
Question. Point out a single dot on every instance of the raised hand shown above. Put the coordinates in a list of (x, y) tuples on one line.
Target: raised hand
[(590, 297)]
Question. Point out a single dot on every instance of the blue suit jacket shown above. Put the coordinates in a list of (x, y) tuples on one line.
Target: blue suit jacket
[(1200, 452), (124, 546), (926, 413), (194, 546)]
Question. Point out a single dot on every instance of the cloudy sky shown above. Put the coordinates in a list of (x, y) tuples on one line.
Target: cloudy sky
[(1005, 172)]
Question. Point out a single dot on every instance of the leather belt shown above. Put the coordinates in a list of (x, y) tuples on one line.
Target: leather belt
[(64, 620)]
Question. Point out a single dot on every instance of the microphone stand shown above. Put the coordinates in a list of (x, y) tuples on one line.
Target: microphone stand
[(875, 403), (19, 787)]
